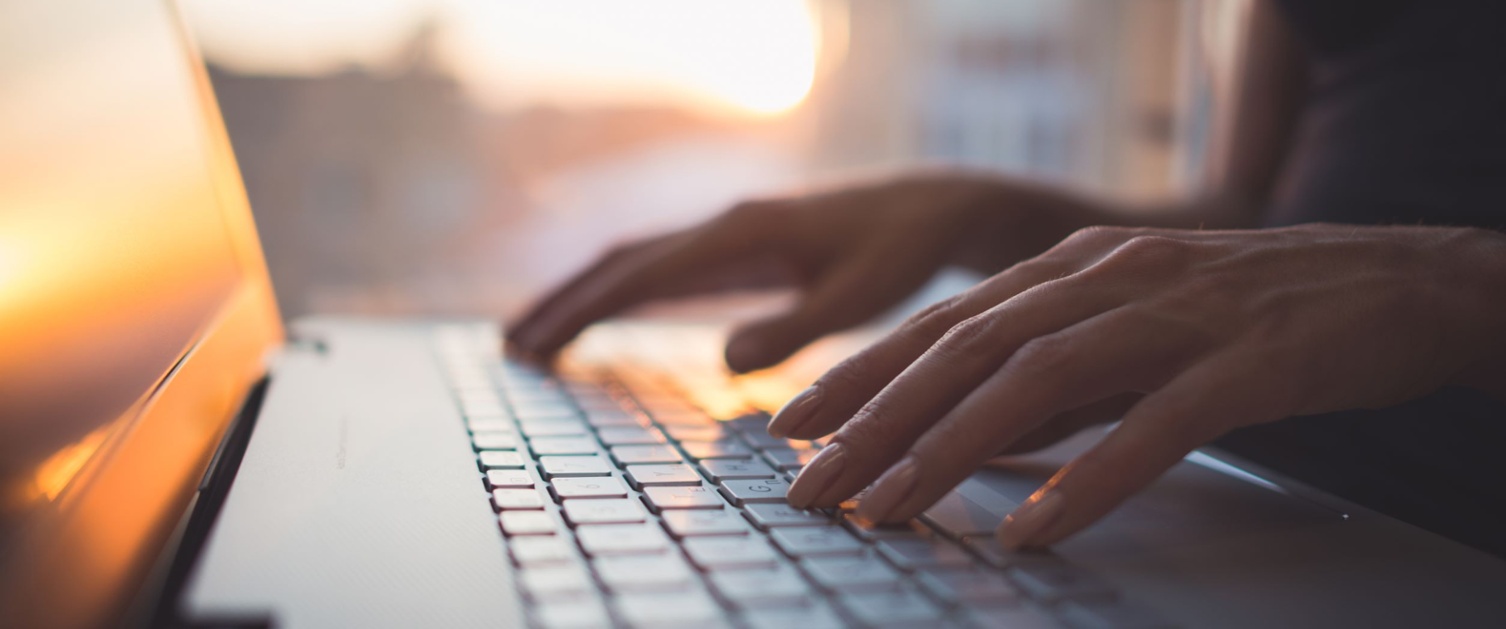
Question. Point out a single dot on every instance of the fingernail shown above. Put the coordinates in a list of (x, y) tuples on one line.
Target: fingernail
[(892, 488), (817, 476), (795, 413), (1030, 519)]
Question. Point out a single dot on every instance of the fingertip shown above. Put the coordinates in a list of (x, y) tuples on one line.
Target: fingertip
[(749, 352)]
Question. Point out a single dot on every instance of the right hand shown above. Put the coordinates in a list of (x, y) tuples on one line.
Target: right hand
[(854, 252)]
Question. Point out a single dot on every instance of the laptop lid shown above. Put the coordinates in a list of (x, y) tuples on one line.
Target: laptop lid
[(135, 307)]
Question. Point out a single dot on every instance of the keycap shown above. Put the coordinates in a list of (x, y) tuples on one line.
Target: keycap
[(808, 541), (719, 470), (813, 617), (570, 614), (910, 554), (527, 523), (1014, 617), (852, 574), (762, 440), (620, 539), (546, 582), (636, 573), (508, 478), (702, 450), (678, 609), (776, 514), (956, 517), (681, 417), (635, 455), (655, 475), (761, 587), (604, 511), (533, 428), (573, 466), (505, 499), (542, 407), (540, 550), (490, 424), (491, 408), (545, 446), (500, 459), (974, 587), (588, 487), (730, 552), (698, 523), (890, 608), (870, 531), (988, 547), (494, 441), (698, 433), (606, 417), (1111, 615), (788, 458), (629, 436), (752, 423), (685, 497), (764, 490), (1055, 581)]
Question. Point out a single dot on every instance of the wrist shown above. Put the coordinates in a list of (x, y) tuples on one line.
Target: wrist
[(1483, 257)]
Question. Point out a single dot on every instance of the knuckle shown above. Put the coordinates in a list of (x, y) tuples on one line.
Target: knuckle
[(1151, 253), (966, 338), (934, 320), (1097, 235), (1043, 356)]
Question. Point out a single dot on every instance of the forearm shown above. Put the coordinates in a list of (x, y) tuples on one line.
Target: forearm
[(1481, 283)]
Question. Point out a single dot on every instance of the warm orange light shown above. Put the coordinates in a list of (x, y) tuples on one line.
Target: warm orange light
[(56, 472)]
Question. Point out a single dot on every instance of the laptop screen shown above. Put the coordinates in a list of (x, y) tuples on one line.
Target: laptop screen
[(114, 251)]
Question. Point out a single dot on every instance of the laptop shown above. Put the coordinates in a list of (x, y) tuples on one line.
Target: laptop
[(172, 456)]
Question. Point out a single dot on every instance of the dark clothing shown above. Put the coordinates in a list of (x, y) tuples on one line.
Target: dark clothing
[(1405, 123)]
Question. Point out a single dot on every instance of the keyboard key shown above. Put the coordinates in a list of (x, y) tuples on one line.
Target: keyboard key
[(494, 441), (574, 466), (635, 455), (505, 499), (490, 424), (636, 573), (548, 582), (890, 608), (870, 531), (500, 459), (808, 541), (698, 523), (762, 588), (681, 417), (762, 440), (621, 539), (496, 479), (1111, 615), (730, 552), (699, 433), (852, 574), (490, 408), (815, 617), (570, 614), (546, 446), (527, 523), (974, 587), (719, 470), (959, 517), (608, 511), (702, 450), (630, 436), (538, 551), (776, 514), (789, 458), (745, 491), (1052, 581), (679, 609), (1014, 617), (588, 487), (661, 498), (911, 554), (988, 547), (553, 428), (542, 407), (608, 417), (641, 476)]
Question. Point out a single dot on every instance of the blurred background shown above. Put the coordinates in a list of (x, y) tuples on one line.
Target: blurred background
[(436, 157)]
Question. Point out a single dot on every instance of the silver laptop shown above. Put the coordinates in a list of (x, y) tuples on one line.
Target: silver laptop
[(171, 456)]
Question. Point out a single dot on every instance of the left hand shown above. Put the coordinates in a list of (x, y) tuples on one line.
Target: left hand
[(1196, 333)]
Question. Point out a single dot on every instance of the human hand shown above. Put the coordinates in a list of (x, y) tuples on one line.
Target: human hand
[(1196, 333), (855, 252)]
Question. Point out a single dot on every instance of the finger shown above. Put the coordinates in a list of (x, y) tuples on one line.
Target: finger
[(1066, 424), (1195, 408), (842, 391), (968, 354), (855, 290), (638, 277), (1124, 350), (524, 327)]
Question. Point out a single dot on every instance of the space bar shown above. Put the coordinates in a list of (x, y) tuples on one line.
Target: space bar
[(970, 510)]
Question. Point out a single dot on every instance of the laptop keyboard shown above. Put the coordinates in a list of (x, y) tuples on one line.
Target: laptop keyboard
[(624, 504)]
